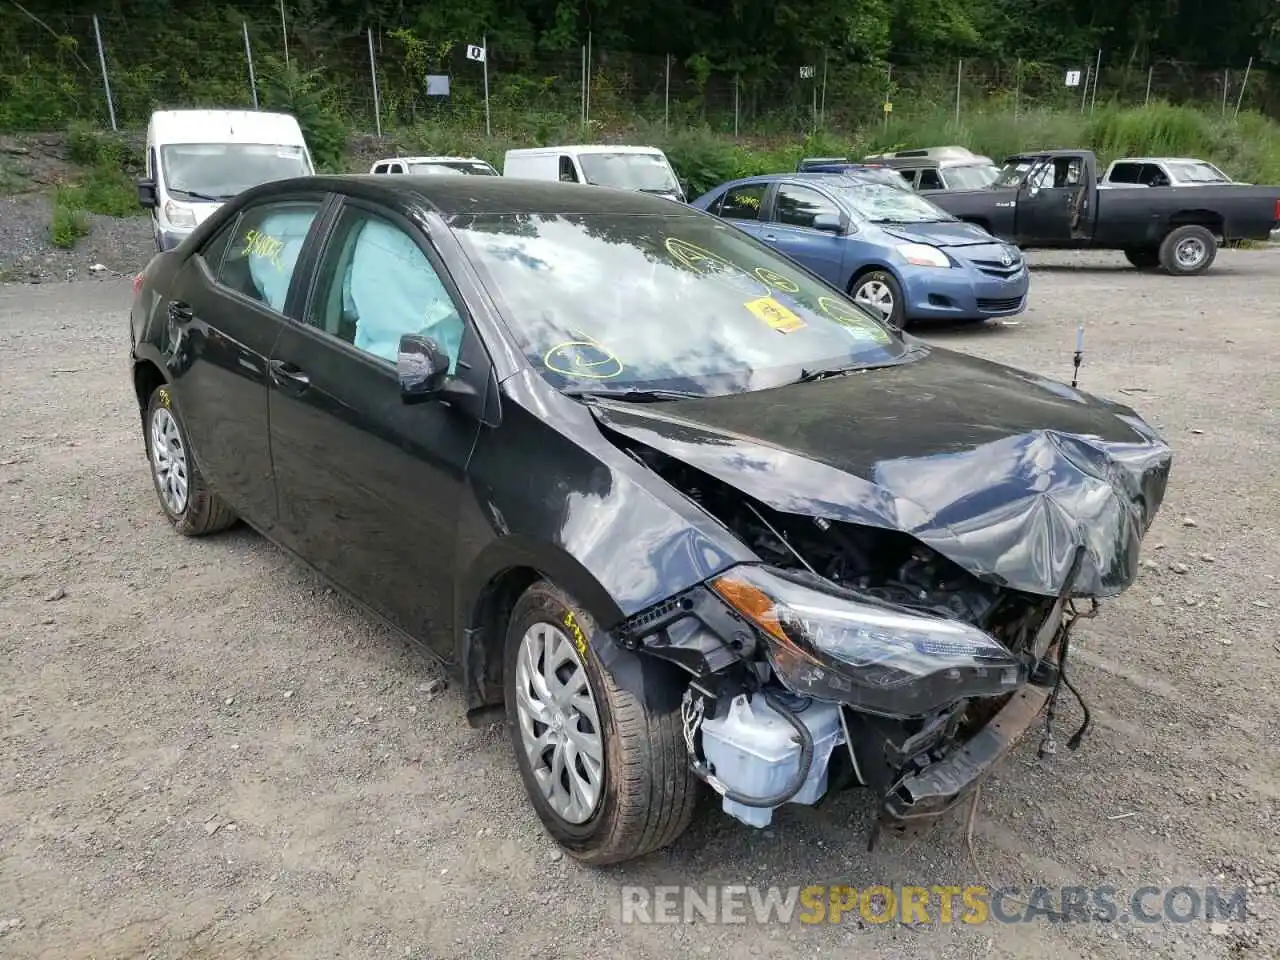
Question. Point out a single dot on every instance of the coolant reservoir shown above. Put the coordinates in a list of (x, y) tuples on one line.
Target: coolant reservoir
[(754, 751)]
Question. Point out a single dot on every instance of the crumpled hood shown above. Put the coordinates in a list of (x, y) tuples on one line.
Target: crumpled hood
[(1001, 471), (942, 233)]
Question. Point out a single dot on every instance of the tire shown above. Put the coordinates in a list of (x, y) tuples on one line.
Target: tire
[(645, 789), (1189, 239), (1144, 258), (195, 511), (866, 285)]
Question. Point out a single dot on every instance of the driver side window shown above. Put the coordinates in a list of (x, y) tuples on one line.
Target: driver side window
[(798, 206), (377, 284)]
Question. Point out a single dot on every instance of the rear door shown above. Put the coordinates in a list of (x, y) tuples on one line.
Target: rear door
[(230, 302), (369, 486), (744, 206), (790, 230)]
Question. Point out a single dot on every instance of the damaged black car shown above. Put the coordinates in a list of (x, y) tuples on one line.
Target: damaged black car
[(695, 521)]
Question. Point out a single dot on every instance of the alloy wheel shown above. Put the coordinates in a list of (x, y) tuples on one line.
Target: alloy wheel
[(877, 295), (559, 723), (169, 460)]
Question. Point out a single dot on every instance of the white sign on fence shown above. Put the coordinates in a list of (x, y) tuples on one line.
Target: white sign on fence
[(806, 72), (1073, 78), (475, 53), (437, 85)]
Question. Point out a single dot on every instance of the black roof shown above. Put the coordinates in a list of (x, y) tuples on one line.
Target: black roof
[(464, 195)]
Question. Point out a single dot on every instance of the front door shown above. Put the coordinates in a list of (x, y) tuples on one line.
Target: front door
[(791, 231), (229, 305), (743, 206), (1046, 200), (368, 486)]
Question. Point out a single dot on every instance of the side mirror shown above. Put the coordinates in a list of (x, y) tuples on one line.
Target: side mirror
[(422, 368), (828, 222), (148, 198)]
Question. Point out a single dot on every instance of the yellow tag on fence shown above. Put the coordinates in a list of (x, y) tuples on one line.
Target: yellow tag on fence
[(773, 313)]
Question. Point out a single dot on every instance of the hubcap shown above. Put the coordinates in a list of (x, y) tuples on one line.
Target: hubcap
[(1190, 252), (169, 460), (875, 294), (559, 723)]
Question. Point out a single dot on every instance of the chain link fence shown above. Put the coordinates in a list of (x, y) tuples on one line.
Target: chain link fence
[(112, 70)]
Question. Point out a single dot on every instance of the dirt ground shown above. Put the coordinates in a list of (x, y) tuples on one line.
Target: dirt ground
[(207, 753)]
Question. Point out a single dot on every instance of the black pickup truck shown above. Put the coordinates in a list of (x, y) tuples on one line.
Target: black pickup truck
[(1051, 199)]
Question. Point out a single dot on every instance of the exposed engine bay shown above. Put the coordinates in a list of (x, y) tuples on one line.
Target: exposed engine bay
[(768, 717)]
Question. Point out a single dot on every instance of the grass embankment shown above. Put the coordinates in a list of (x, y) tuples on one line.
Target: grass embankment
[(103, 185), (1247, 147)]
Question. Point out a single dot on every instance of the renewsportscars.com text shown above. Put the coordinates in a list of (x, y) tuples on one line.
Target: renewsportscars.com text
[(974, 904)]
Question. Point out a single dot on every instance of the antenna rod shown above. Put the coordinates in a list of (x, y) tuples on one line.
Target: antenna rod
[(1075, 374)]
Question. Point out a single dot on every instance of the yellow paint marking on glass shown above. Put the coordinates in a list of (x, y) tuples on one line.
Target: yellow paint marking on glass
[(583, 358), (777, 280), (852, 320), (771, 312), (259, 244)]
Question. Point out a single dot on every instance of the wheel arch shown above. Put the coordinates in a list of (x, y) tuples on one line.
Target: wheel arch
[(1211, 220), (870, 267)]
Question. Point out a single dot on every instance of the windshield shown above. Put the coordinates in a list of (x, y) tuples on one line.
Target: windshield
[(881, 203), (608, 303), (474, 167), (221, 170), (972, 176), (1197, 172), (1012, 173), (629, 171)]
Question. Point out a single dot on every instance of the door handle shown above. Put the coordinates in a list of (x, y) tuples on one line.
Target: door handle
[(180, 312), (289, 376)]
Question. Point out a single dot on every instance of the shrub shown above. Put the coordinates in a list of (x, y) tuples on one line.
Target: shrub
[(69, 222)]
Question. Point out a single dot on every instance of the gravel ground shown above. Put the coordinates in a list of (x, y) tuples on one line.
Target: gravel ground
[(26, 256), (205, 752)]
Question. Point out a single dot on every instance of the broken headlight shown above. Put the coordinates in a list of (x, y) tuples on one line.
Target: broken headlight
[(826, 643)]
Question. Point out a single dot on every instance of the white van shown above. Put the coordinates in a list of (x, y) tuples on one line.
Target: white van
[(197, 159), (605, 165)]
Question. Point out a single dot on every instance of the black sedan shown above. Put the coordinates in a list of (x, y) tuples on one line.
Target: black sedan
[(682, 510)]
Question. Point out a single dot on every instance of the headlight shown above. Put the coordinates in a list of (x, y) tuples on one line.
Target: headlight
[(875, 658), (923, 255), (179, 215)]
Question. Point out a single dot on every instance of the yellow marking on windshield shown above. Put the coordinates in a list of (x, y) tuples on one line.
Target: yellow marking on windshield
[(583, 358), (777, 280), (770, 311), (861, 326), (707, 264)]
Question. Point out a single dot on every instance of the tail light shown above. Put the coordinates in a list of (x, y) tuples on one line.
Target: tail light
[(1278, 209)]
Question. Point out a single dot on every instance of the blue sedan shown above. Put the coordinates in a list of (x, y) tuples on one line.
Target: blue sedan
[(890, 249)]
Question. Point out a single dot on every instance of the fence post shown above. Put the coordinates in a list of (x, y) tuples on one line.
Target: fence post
[(1226, 86), (373, 73), (959, 71), (1147, 101), (284, 32), (1240, 98), (888, 94), (1097, 71), (106, 81), (822, 108), (1084, 94), (587, 106), (666, 99), (736, 80), (248, 57), (1017, 87), (582, 108)]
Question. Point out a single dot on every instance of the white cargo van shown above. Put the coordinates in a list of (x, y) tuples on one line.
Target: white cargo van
[(197, 159), (605, 165)]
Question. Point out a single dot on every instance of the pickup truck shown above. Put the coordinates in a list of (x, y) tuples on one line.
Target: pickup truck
[(1050, 200)]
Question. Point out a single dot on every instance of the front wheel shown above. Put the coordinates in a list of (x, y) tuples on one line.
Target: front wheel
[(879, 290), (1188, 250), (607, 772)]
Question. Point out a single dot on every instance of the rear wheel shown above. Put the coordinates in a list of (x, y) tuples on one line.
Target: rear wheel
[(192, 508), (608, 774), (879, 290), (1188, 250), (1144, 258)]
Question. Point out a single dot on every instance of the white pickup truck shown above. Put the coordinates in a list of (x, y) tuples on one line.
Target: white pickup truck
[(1162, 172)]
